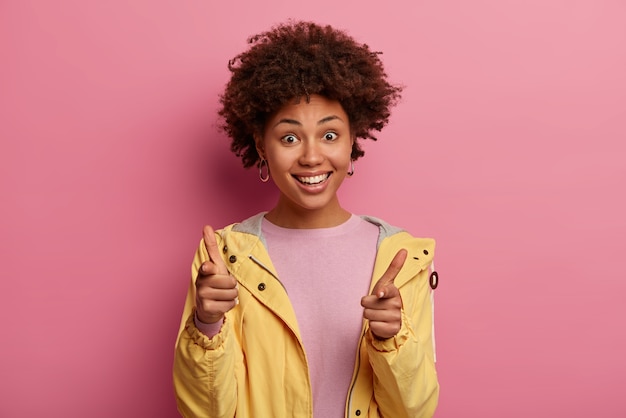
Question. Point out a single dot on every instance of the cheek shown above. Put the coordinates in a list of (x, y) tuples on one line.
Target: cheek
[(344, 156), (277, 162)]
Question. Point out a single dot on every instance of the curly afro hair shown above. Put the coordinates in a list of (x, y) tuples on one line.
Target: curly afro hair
[(298, 59)]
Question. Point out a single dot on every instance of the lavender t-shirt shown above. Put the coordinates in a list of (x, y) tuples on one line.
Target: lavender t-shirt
[(326, 272)]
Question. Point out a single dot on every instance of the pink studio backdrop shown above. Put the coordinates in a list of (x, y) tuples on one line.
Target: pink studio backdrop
[(508, 147)]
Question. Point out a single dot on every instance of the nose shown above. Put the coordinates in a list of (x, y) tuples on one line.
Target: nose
[(312, 153)]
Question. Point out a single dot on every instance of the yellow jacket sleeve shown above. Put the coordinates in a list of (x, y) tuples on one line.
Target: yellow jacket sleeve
[(204, 370), (405, 379)]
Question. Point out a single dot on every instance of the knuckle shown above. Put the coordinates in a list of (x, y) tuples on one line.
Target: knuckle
[(207, 305)]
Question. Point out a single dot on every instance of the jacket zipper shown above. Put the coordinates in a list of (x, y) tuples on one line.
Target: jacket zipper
[(356, 372)]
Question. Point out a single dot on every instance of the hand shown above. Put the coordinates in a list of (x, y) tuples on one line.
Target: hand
[(216, 289), (383, 308)]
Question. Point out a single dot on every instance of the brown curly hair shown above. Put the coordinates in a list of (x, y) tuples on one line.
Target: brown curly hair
[(298, 59)]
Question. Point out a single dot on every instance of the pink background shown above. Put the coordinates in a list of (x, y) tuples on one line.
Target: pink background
[(508, 147)]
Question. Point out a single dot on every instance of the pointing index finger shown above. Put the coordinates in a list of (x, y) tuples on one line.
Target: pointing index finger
[(390, 274), (208, 234)]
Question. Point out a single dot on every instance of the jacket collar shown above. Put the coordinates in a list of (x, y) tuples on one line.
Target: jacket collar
[(252, 226)]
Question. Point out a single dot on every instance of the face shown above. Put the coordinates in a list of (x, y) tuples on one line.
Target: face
[(307, 146)]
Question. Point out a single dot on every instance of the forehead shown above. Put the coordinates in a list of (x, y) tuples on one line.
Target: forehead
[(313, 110)]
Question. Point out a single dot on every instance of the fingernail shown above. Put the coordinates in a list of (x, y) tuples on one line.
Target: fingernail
[(381, 294)]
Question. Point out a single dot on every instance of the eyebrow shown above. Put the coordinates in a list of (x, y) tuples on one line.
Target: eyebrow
[(319, 122)]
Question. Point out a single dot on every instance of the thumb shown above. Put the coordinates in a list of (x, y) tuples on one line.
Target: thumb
[(214, 252), (380, 289)]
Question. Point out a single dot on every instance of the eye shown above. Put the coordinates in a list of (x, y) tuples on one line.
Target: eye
[(289, 139), (330, 136)]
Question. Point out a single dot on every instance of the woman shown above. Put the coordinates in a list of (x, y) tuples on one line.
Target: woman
[(307, 310)]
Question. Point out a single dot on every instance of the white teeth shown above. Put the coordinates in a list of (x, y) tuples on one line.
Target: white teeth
[(314, 179)]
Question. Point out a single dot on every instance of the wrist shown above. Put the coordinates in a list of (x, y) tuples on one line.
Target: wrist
[(208, 319)]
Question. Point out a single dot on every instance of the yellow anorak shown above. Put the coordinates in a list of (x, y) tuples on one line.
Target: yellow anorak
[(256, 366)]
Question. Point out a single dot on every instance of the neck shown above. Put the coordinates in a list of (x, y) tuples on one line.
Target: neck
[(287, 216)]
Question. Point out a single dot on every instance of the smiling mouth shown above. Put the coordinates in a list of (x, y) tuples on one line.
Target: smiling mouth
[(313, 179)]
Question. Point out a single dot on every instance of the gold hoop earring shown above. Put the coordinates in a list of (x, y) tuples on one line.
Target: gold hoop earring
[(262, 163), (351, 172)]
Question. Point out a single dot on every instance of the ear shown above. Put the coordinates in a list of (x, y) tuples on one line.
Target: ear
[(260, 145)]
